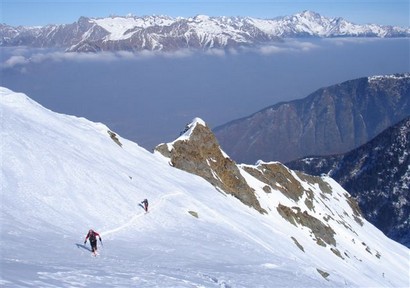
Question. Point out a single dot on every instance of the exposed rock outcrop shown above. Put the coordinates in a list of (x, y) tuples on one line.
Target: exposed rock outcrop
[(197, 151)]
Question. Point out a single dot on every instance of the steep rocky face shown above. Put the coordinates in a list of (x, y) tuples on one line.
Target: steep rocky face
[(300, 199), (377, 174), (200, 154), (332, 120), (277, 176)]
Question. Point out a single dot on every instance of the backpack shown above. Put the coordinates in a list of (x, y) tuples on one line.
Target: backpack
[(92, 236)]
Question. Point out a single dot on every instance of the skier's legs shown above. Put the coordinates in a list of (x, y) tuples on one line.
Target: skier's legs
[(93, 246)]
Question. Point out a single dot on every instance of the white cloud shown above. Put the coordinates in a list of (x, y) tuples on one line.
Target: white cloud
[(23, 57), (304, 46), (267, 50), (126, 55), (59, 56), (181, 53), (286, 47), (343, 41), (216, 52), (15, 61)]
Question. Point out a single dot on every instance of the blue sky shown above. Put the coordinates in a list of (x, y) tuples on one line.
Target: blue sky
[(43, 12)]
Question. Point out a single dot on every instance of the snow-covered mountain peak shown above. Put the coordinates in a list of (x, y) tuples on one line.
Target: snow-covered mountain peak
[(62, 175), (201, 17), (311, 15), (191, 126), (199, 153)]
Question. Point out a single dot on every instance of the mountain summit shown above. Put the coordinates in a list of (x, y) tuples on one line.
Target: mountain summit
[(62, 175), (197, 151), (163, 33)]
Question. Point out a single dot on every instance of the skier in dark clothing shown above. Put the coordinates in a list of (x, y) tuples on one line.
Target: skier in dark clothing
[(145, 202), (92, 235)]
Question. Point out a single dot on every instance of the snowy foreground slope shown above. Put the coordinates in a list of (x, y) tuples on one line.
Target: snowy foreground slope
[(61, 175)]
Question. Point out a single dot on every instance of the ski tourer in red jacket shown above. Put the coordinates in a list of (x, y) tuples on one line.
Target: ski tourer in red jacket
[(92, 235)]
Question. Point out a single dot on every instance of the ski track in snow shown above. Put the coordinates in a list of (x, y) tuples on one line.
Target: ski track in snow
[(153, 206)]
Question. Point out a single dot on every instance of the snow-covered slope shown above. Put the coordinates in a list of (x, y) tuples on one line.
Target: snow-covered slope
[(166, 33), (61, 175)]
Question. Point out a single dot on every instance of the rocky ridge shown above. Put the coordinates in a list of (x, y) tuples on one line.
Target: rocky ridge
[(198, 152)]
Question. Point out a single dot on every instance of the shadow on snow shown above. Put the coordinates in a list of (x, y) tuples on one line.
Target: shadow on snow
[(83, 247)]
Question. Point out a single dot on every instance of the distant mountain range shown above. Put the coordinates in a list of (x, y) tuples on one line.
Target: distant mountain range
[(332, 120), (163, 33), (377, 174)]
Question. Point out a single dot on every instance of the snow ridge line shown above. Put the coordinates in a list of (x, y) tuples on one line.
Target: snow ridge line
[(137, 216)]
